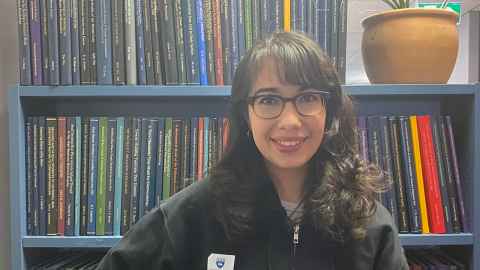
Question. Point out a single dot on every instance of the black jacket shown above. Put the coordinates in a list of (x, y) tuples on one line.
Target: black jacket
[(182, 233)]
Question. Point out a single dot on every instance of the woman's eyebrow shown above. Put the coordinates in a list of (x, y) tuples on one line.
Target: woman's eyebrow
[(267, 90)]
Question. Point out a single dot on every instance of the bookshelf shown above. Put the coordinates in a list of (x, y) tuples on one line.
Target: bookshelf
[(462, 102)]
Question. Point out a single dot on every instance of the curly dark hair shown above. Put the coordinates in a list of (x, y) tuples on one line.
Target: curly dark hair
[(340, 192)]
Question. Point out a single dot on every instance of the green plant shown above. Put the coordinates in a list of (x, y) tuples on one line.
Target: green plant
[(398, 4)]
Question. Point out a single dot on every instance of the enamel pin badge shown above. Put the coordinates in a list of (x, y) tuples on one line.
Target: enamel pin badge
[(220, 262)]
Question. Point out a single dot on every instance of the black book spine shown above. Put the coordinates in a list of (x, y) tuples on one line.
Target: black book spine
[(44, 33), (52, 209), (42, 175), (159, 164), (179, 41), (147, 36), (374, 145), (135, 171), (75, 42), (29, 170), (70, 178), (53, 42), (110, 175), (168, 38), (226, 40), (65, 41), (24, 42), (140, 39), (92, 37), (127, 162), (191, 46), (84, 175), (143, 168), (118, 42), (208, 22), (84, 28), (150, 168), (156, 41)]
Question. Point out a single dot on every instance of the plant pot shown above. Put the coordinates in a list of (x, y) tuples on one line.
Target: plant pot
[(412, 45)]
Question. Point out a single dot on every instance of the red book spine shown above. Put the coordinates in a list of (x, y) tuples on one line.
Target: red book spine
[(217, 41), (200, 148), (62, 125), (429, 168)]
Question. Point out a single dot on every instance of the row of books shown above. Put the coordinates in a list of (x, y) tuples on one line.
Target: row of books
[(64, 42), (69, 260), (99, 175), (433, 259), (418, 155)]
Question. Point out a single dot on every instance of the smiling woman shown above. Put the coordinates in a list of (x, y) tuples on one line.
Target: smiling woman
[(289, 193)]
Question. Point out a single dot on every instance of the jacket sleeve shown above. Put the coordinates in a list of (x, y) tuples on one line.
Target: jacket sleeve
[(147, 245)]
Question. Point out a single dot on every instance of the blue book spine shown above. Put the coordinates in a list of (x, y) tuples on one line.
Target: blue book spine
[(92, 183), (234, 44), (142, 75), (135, 170), (42, 177), (36, 42), (54, 77), (117, 214), (104, 41), (24, 43), (191, 41), (150, 179), (75, 43), (78, 160), (65, 41), (142, 181), (193, 148), (202, 54), (159, 165), (206, 139), (241, 28), (70, 177), (110, 175)]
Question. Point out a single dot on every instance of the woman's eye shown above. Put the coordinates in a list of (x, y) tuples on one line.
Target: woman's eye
[(268, 100), (308, 98)]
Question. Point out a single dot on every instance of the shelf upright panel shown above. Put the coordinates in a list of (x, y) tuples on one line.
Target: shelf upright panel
[(17, 174)]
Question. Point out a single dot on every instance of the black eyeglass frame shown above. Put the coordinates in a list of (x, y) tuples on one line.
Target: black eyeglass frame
[(251, 100)]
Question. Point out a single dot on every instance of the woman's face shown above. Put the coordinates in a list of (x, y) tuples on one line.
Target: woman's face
[(288, 141)]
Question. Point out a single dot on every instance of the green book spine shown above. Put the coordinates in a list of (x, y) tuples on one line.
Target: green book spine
[(167, 158), (247, 11), (101, 183)]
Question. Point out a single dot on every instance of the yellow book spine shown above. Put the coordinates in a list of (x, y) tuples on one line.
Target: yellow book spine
[(419, 174), (286, 15)]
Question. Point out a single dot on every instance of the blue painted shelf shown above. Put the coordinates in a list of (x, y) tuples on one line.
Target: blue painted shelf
[(461, 239)]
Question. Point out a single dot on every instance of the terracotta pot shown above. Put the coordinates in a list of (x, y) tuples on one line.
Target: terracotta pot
[(412, 45)]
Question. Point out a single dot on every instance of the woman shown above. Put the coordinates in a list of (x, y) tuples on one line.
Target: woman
[(290, 192)]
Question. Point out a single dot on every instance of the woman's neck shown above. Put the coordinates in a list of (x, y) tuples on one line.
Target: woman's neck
[(289, 183)]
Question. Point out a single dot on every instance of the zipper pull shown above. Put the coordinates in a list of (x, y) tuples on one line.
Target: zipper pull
[(296, 238)]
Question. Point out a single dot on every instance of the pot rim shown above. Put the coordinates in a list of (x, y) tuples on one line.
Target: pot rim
[(409, 12)]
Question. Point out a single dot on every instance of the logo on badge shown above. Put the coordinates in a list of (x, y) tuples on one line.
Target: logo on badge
[(220, 262)]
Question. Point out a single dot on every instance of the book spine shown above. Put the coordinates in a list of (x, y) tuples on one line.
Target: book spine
[(398, 177), (93, 175), (152, 128), (226, 40), (450, 184), (278, 15), (374, 146), (179, 41), (52, 203), (206, 145), (191, 46), (429, 166), (241, 27), (234, 50), (156, 41), (118, 42), (168, 38), (436, 133), (142, 181), (323, 11), (29, 171), (65, 41), (84, 29), (410, 179), (75, 42), (78, 173), (117, 210), (135, 171), (70, 178), (302, 10), (104, 41), (456, 173), (247, 20), (342, 40), (419, 174), (294, 15), (159, 164), (193, 148), (36, 42), (110, 175), (140, 39), (42, 175), (334, 31), (363, 138), (101, 178), (44, 42), (130, 43), (202, 46), (201, 145), (126, 173), (217, 42), (92, 37), (147, 35), (184, 176), (167, 155), (286, 16), (210, 48), (85, 175), (24, 61), (256, 21), (264, 20), (176, 183), (390, 194), (61, 140), (54, 77)]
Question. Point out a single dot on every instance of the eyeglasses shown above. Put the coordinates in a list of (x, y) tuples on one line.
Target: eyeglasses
[(307, 103)]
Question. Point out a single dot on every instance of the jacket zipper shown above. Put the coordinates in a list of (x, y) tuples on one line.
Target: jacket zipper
[(296, 238)]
